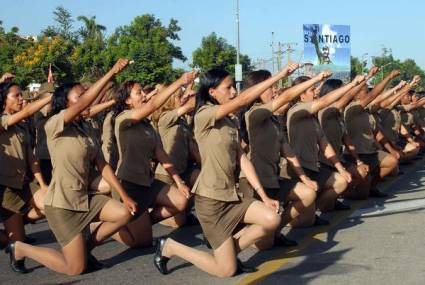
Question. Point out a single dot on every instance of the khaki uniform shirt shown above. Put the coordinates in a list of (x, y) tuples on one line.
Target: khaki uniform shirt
[(41, 151), (218, 143), (406, 118), (109, 146), (175, 135), (359, 129), (73, 150), (334, 128), (391, 123), (136, 148), (14, 150), (265, 141), (304, 133), (421, 111), (416, 116)]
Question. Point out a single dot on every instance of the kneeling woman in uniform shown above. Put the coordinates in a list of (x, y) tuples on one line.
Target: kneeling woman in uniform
[(69, 209), (260, 128), (177, 139), (217, 204), (16, 157), (138, 145)]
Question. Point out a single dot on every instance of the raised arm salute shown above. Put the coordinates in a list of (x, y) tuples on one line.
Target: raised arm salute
[(218, 207), (69, 207)]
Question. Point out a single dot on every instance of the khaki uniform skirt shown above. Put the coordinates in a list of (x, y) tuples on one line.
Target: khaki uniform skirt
[(219, 219), (67, 224), (14, 201), (144, 196)]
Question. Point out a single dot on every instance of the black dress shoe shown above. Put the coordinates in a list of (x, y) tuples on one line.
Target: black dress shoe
[(242, 268), (318, 221), (377, 193), (206, 242), (281, 240), (159, 260), (339, 206), (400, 172), (93, 264), (16, 265)]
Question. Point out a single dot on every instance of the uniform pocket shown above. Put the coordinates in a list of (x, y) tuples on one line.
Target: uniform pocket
[(74, 185), (218, 184)]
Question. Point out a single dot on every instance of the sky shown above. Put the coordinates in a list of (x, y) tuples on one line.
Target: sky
[(395, 24)]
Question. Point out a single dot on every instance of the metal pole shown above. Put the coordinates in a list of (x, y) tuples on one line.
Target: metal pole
[(272, 45), (238, 83)]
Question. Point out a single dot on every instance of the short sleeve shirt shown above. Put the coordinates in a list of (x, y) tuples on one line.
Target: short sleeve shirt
[(334, 128), (391, 123), (406, 117), (359, 128), (14, 150), (265, 141), (73, 150), (136, 143), (109, 146), (175, 135), (41, 151), (218, 143), (304, 133)]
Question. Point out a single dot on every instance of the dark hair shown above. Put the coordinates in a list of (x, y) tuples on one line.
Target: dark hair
[(210, 79), (329, 86), (4, 90), (60, 97), (299, 80), (122, 94), (252, 79)]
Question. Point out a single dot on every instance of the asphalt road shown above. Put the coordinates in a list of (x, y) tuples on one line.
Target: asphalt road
[(380, 241)]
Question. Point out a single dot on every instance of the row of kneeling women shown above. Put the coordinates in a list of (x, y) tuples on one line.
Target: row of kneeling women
[(104, 160)]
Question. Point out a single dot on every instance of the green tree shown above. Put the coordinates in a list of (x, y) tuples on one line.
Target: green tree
[(32, 63), (151, 45), (11, 44), (408, 68), (64, 27), (87, 59), (357, 67), (216, 52)]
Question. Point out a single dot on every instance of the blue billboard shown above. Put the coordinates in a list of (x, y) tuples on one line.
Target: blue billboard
[(328, 47)]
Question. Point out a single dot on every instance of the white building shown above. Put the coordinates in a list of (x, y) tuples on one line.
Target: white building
[(34, 87)]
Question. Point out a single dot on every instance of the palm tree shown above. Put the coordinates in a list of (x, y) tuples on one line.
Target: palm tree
[(91, 29)]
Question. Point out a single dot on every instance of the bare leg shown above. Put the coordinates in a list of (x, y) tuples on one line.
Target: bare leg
[(180, 219), (221, 264), (71, 261), (359, 189), (301, 197), (113, 216), (306, 218), (263, 223), (137, 233), (387, 165), (168, 203), (334, 187)]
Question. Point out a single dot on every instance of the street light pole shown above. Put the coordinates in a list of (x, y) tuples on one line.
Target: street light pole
[(238, 66)]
